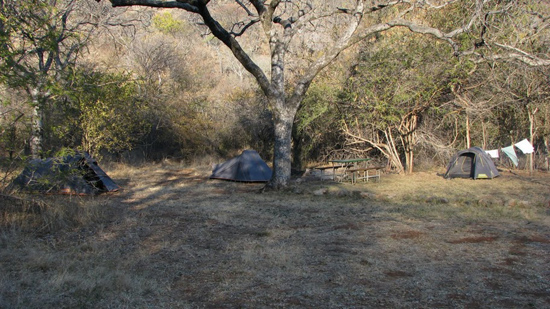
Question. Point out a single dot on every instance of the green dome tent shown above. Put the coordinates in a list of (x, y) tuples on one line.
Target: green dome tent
[(246, 167), (473, 163)]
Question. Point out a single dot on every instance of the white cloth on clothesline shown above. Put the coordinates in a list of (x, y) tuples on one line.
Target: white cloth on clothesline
[(511, 153), (525, 146), (492, 153)]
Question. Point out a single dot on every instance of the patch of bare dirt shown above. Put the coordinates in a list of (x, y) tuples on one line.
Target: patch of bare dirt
[(474, 240), (407, 235)]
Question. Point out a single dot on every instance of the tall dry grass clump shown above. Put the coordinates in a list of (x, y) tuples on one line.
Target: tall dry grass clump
[(40, 213), (58, 251), (46, 214)]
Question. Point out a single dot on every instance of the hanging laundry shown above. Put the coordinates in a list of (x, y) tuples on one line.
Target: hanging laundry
[(525, 146), (492, 153), (511, 153)]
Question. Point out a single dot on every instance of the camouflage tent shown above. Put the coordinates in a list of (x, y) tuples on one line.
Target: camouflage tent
[(71, 174)]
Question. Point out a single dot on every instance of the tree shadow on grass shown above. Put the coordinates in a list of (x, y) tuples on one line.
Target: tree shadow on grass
[(175, 239)]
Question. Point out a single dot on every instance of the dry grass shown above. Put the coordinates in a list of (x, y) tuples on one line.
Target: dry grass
[(173, 239)]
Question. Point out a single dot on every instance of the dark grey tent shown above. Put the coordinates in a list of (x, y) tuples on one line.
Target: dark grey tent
[(72, 174), (473, 163), (246, 167)]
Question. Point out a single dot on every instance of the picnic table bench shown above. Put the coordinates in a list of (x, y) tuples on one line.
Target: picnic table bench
[(364, 173), (332, 167)]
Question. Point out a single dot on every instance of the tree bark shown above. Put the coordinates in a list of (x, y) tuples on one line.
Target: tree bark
[(36, 138), (283, 150), (37, 124), (467, 130), (407, 131), (532, 133)]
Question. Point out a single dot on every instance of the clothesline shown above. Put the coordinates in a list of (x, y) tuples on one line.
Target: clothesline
[(525, 146)]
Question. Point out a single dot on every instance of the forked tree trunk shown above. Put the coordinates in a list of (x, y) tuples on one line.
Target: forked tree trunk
[(407, 131), (406, 141), (410, 161)]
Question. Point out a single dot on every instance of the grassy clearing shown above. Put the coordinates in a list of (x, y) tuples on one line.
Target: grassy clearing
[(172, 238)]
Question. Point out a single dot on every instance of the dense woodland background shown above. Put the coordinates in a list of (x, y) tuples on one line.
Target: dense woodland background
[(140, 84)]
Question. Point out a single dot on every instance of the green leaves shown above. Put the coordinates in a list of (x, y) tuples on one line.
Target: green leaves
[(109, 115), (167, 24)]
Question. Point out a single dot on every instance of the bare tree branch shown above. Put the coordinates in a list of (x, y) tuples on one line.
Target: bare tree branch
[(447, 37), (519, 55), (245, 8), (243, 27), (190, 6)]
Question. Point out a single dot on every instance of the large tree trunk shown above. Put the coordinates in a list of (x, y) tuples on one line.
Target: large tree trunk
[(36, 139), (283, 149)]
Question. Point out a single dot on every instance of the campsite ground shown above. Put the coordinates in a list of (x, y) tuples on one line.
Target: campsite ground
[(174, 239)]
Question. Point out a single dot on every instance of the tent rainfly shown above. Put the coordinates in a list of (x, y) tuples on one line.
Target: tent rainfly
[(72, 174), (473, 163), (246, 167)]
